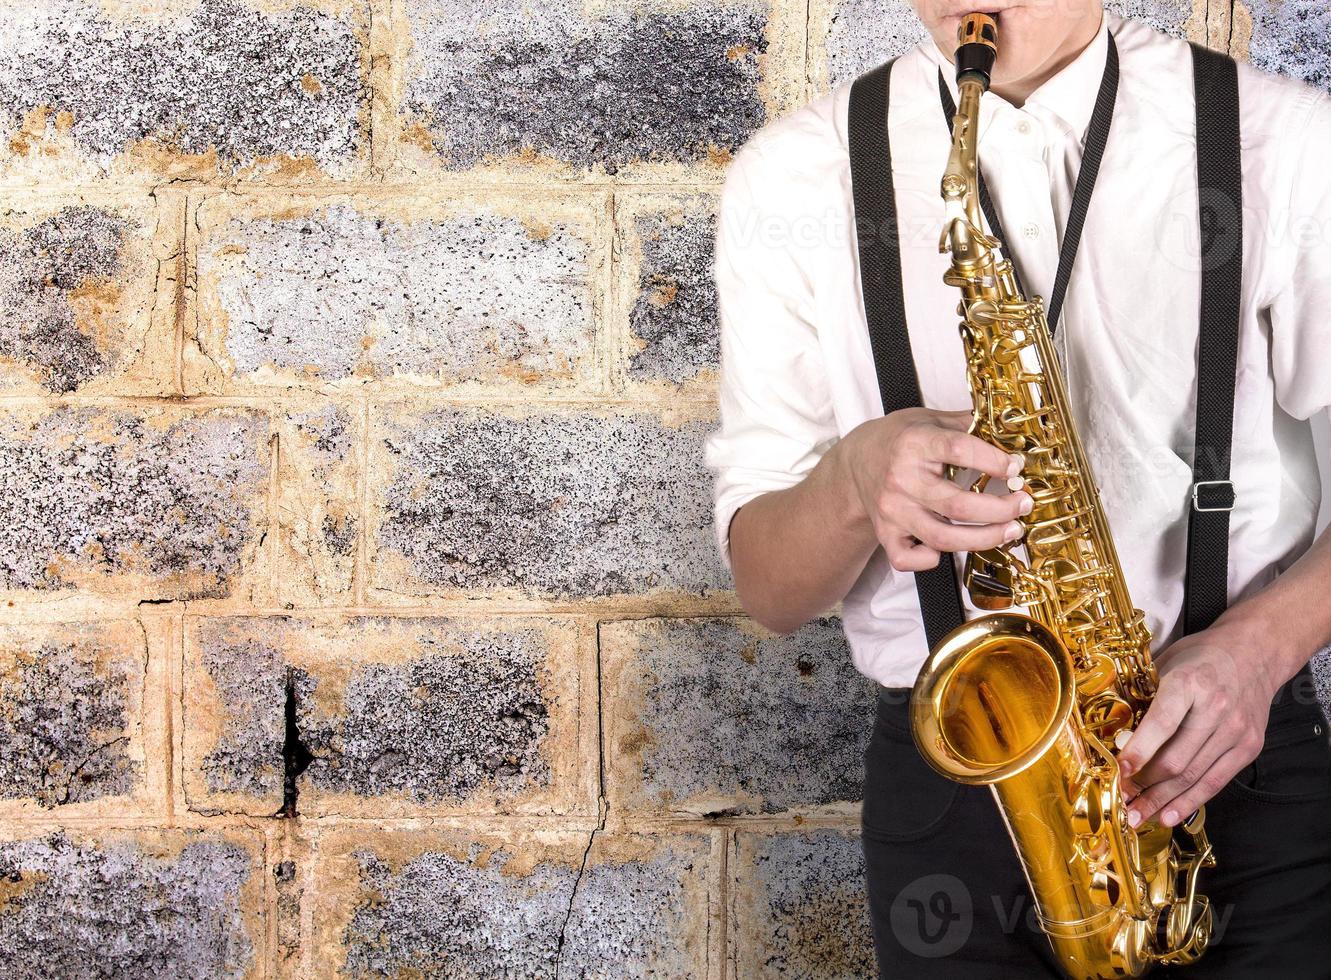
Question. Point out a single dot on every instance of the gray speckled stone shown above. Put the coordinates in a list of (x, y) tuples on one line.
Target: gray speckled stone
[(1169, 16), (438, 727), (734, 716), (40, 267), (864, 33), (223, 76), (91, 492), (674, 315), (643, 917), (250, 675), (439, 915), (799, 907), (65, 722), (344, 292), (1290, 37), (508, 77), (550, 504), (116, 909)]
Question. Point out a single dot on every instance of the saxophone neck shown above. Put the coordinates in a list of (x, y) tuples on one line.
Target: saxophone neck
[(962, 234)]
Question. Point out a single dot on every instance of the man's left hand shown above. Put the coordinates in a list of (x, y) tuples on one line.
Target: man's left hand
[(1206, 722)]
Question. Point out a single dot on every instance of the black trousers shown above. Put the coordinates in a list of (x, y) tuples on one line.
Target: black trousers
[(947, 898)]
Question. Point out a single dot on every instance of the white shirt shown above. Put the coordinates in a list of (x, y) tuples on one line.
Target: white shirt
[(797, 371)]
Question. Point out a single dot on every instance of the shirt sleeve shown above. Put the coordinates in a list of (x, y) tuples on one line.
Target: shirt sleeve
[(1300, 313), (776, 417)]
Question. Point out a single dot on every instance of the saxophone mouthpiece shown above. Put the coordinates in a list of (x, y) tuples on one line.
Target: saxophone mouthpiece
[(977, 48)]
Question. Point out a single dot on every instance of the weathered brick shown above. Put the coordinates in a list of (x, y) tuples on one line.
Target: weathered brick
[(318, 527), (600, 90), (77, 306), (554, 503), (858, 35), (289, 882), (640, 909), (1181, 18), (154, 501), (670, 295), (797, 906), (400, 715), (441, 903), (183, 90), (405, 289), (80, 729), (132, 905), (434, 903), (719, 715), (1290, 37)]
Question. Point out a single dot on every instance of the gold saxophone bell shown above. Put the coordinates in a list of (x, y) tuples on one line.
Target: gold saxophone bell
[(993, 698), (1033, 705)]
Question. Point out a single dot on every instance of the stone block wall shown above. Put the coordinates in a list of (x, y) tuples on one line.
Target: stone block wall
[(360, 610)]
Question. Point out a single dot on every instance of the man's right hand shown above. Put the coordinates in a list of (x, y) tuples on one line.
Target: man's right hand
[(896, 468)]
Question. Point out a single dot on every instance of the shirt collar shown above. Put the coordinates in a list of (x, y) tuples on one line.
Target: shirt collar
[(1069, 95)]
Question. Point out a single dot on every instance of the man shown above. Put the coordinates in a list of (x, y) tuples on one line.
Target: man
[(821, 498)]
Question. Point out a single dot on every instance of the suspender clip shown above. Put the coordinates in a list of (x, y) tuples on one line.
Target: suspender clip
[(1213, 495)]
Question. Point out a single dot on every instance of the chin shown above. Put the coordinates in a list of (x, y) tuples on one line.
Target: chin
[(1020, 56)]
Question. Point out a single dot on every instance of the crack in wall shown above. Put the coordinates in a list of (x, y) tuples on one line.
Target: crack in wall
[(602, 808), (296, 756), (67, 795), (573, 894)]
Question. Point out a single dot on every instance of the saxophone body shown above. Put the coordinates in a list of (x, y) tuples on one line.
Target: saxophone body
[(1035, 705)]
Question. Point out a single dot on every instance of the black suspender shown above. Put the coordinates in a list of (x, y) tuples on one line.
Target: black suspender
[(885, 304), (1220, 216), (1220, 198)]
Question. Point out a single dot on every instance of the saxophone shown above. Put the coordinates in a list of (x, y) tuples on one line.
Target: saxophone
[(1035, 706)]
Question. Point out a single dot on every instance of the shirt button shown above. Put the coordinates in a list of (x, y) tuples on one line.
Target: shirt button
[(1024, 128), (1031, 230)]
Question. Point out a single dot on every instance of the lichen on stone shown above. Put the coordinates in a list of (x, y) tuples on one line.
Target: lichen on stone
[(509, 78), (346, 293), (782, 719), (101, 492), (249, 673), (1170, 16), (440, 727), (674, 315), (865, 33), (555, 504), (467, 715), (339, 534), (1290, 37), (224, 76), (41, 266), (810, 887), (118, 910), (327, 434), (64, 725), (626, 919), (439, 915)]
